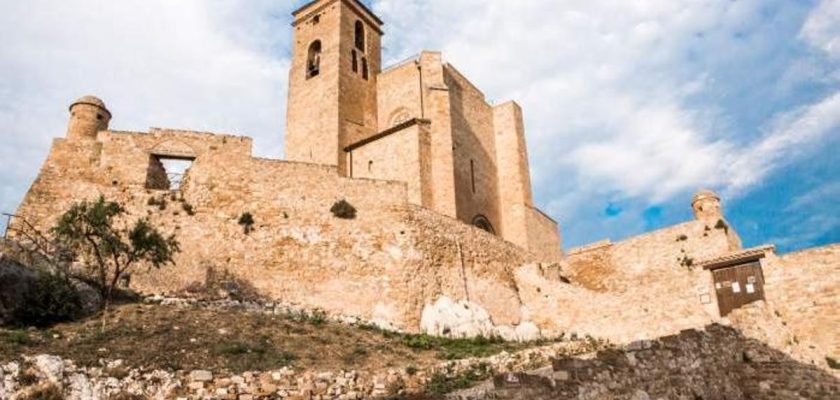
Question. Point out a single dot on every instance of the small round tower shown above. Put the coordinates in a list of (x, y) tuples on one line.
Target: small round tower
[(706, 205), (88, 116)]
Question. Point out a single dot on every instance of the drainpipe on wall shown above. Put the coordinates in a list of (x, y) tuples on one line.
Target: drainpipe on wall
[(422, 105)]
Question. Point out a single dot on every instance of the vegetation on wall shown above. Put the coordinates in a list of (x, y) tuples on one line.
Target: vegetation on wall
[(344, 210), (246, 220)]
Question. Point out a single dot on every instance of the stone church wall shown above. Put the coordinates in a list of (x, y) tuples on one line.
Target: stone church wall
[(398, 94), (476, 186), (404, 156)]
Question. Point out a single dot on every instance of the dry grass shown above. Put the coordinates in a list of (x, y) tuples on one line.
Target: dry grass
[(173, 338)]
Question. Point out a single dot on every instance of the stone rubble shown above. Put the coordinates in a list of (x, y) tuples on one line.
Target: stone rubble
[(79, 383)]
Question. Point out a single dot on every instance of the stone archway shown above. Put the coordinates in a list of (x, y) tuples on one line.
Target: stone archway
[(481, 222)]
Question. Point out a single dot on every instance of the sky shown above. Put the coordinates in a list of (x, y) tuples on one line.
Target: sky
[(630, 106)]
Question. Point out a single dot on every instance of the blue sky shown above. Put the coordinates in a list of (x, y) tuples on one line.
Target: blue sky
[(630, 106)]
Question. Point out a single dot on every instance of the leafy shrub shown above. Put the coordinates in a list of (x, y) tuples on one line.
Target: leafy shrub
[(682, 238), (50, 300), (243, 356), (832, 363), (441, 384), (456, 349), (247, 222), (19, 338), (232, 348), (188, 208), (315, 317), (344, 210)]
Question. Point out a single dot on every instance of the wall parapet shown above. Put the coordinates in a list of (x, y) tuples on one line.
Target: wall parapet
[(590, 247)]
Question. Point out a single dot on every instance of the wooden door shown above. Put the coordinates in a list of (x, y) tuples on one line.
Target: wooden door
[(738, 285)]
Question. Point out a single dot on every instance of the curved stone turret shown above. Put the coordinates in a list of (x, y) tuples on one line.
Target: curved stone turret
[(88, 116), (706, 205)]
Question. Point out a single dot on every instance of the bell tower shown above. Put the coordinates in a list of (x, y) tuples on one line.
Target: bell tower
[(336, 58)]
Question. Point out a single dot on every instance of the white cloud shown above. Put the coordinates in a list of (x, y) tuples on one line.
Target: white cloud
[(609, 88), (822, 29), (795, 134)]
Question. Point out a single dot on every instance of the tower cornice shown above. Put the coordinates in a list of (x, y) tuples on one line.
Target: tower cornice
[(310, 8)]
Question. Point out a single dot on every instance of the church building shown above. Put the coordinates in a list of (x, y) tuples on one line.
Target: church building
[(419, 121)]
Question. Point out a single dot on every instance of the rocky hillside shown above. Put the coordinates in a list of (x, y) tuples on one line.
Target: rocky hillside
[(226, 350), (718, 363), (178, 348)]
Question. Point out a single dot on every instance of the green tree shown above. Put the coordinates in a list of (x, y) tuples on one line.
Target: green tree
[(96, 233)]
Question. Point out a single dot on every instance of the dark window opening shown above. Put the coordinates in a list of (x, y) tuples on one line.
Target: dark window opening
[(364, 68), (360, 36), (99, 117), (167, 173), (313, 60), (472, 174), (355, 61), (481, 222)]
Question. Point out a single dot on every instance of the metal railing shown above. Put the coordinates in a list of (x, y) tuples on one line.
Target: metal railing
[(24, 238), (175, 180), (8, 224)]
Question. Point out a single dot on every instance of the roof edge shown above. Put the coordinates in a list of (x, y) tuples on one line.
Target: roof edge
[(387, 132), (358, 3)]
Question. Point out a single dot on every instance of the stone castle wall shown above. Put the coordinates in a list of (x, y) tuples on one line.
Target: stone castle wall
[(393, 259), (717, 363), (657, 267), (543, 234), (804, 288), (400, 263), (396, 264)]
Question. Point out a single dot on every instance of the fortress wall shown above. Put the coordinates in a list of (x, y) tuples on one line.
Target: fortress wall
[(543, 236), (804, 288), (653, 271), (664, 253), (395, 262), (562, 308), (389, 265), (474, 151), (386, 265)]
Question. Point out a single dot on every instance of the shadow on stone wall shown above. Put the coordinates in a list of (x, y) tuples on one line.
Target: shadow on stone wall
[(223, 284), (718, 363)]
